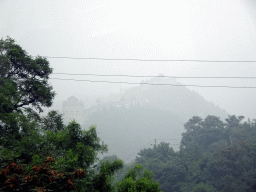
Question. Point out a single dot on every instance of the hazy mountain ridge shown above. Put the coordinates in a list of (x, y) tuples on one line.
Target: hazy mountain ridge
[(177, 99), (145, 113)]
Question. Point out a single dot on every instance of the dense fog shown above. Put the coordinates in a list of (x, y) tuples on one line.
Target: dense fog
[(169, 85)]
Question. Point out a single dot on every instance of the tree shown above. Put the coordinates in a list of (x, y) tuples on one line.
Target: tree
[(23, 84), (233, 121), (209, 159), (167, 166), (40, 175), (76, 147), (137, 180), (103, 181), (53, 122), (24, 76), (41, 153), (202, 187), (72, 151), (202, 132)]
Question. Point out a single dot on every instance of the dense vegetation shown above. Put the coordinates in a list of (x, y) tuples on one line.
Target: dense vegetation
[(40, 153), (214, 156)]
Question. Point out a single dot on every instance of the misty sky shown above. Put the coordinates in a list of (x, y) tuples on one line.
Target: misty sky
[(177, 29)]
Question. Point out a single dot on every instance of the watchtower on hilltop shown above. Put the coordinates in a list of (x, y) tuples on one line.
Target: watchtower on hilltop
[(72, 109)]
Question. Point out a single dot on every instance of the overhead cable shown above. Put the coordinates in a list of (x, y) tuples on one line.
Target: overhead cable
[(145, 83), (154, 60), (151, 76)]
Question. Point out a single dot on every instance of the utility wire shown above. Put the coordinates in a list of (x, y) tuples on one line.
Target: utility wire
[(154, 60), (143, 83), (152, 76)]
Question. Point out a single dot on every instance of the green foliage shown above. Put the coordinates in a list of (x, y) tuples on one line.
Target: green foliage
[(69, 158), (42, 154), (103, 181), (24, 77), (214, 156), (7, 156), (202, 132), (52, 122), (202, 187), (169, 169), (119, 175), (73, 142), (36, 160), (23, 84), (26, 139), (137, 180)]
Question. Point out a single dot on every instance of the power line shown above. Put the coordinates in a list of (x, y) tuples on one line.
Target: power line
[(144, 83), (152, 76), (154, 60)]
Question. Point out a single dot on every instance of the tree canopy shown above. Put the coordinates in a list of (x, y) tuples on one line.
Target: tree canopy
[(214, 156), (41, 153), (24, 88), (24, 79)]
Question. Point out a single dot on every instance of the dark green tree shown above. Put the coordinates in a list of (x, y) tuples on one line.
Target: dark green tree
[(53, 121), (202, 187), (168, 168), (138, 180), (76, 147), (103, 180), (25, 77), (233, 121), (202, 132), (23, 87), (28, 143)]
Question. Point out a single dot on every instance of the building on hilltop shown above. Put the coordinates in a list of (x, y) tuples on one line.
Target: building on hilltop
[(72, 109)]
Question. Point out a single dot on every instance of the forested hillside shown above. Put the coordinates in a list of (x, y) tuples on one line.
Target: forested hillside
[(214, 156)]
